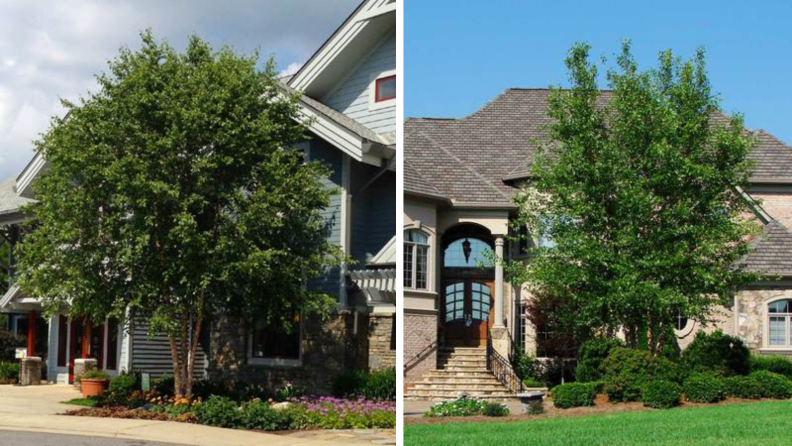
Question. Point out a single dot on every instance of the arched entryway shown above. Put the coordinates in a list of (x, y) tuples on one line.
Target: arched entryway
[(468, 276)]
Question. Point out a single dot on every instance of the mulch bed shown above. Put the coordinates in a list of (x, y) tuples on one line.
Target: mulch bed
[(602, 405), (121, 412)]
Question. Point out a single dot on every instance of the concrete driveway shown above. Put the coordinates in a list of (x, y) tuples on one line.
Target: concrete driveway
[(37, 409)]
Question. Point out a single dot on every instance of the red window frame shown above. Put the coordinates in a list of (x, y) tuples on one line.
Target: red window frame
[(377, 97)]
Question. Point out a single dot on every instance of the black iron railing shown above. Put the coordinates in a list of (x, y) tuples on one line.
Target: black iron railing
[(420, 356), (502, 369)]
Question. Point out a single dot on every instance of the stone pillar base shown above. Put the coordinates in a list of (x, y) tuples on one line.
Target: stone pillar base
[(30, 371), (500, 341), (81, 366)]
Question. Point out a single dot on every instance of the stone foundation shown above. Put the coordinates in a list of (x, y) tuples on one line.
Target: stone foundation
[(381, 342), (420, 345), (30, 371), (328, 349)]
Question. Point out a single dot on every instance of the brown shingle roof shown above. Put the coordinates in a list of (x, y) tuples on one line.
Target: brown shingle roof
[(772, 251), (498, 141)]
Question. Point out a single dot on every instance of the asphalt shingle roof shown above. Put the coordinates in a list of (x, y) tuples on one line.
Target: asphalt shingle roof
[(473, 159), (498, 141), (772, 251)]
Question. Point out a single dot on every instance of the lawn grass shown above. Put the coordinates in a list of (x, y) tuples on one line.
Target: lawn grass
[(736, 424), (86, 402)]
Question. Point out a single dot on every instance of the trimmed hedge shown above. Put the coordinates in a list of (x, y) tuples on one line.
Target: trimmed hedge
[(573, 395), (705, 388), (592, 354), (775, 363), (743, 387), (718, 353), (495, 410), (628, 370), (773, 385), (661, 394)]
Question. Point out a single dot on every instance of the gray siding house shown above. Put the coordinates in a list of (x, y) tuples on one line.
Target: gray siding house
[(349, 98)]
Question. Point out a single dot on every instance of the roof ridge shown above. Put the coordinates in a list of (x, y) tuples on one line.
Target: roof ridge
[(465, 165)]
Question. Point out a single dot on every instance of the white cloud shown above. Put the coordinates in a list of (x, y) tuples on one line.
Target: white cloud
[(51, 49), (291, 69)]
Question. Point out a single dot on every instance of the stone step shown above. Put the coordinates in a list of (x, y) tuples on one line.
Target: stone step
[(446, 395), (446, 373), (463, 368), (495, 387), (458, 379)]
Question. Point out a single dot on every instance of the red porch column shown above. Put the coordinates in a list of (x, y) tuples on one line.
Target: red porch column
[(31, 335)]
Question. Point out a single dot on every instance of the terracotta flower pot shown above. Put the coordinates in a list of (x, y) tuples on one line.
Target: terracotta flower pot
[(93, 387)]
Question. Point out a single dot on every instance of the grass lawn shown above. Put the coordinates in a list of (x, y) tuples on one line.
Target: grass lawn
[(751, 423), (87, 402)]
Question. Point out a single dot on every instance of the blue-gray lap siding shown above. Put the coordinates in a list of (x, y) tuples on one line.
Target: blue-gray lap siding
[(321, 151), (352, 96), (373, 212)]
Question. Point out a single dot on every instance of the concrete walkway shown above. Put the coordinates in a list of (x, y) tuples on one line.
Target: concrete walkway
[(38, 409)]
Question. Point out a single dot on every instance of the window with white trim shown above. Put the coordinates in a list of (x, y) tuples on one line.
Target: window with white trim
[(779, 314), (416, 259)]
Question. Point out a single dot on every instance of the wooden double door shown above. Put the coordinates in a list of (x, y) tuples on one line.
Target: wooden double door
[(467, 304)]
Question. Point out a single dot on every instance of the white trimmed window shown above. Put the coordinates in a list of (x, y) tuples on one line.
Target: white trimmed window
[(416, 259), (779, 314)]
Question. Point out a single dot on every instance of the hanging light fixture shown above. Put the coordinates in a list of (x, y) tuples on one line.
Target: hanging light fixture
[(466, 250)]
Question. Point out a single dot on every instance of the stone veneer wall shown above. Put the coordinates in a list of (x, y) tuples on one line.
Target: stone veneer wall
[(329, 349), (381, 342), (752, 313), (778, 205), (751, 318), (420, 332)]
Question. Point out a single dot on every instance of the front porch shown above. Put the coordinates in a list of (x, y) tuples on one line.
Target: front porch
[(60, 340)]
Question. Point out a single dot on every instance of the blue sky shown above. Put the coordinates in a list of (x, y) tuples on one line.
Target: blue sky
[(458, 55)]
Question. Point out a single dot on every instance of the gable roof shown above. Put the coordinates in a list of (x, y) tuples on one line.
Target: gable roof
[(356, 36), (497, 142), (772, 251), (11, 202)]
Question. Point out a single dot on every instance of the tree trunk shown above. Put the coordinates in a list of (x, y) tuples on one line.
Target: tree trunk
[(177, 378)]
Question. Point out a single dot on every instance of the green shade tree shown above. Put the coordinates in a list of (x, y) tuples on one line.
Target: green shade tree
[(173, 195), (639, 190)]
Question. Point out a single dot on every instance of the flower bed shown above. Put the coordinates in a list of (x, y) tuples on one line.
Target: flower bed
[(467, 407)]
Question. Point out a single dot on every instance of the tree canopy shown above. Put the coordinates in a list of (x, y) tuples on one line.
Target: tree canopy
[(173, 195), (639, 188)]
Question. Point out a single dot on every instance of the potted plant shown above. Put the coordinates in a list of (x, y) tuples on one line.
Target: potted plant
[(93, 382)]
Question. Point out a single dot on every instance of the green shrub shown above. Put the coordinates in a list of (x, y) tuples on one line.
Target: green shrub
[(9, 342), (743, 387), (705, 388), (531, 382), (220, 412), (93, 374), (628, 370), (381, 385), (258, 414), (495, 410), (461, 407), (661, 394), (592, 354), (9, 372), (596, 386), (287, 392), (718, 353), (573, 395), (773, 385), (775, 363), (526, 366), (123, 384), (350, 384)]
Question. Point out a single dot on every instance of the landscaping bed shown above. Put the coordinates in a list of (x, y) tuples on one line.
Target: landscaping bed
[(241, 406)]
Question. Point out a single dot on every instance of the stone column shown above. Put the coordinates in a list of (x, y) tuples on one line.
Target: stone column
[(500, 334), (82, 365), (498, 283), (30, 371)]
